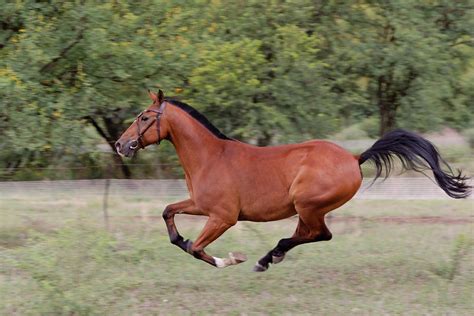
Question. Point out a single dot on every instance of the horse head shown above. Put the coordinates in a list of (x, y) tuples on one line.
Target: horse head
[(141, 133)]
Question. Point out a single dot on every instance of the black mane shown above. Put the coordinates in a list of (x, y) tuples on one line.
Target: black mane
[(198, 116)]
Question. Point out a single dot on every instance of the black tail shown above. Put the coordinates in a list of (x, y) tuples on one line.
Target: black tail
[(415, 153)]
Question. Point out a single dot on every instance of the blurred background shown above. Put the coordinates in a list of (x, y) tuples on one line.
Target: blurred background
[(74, 74)]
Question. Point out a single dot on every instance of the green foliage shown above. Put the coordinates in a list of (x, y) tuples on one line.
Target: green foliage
[(229, 81), (352, 132), (73, 74), (371, 126)]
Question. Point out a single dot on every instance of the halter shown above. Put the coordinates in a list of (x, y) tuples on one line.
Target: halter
[(138, 142)]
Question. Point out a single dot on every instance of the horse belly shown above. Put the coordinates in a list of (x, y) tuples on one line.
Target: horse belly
[(267, 208)]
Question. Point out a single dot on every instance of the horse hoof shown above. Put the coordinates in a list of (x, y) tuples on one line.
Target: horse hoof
[(237, 257), (279, 259), (259, 268)]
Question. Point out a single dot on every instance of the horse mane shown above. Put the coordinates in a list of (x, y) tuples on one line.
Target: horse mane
[(198, 116)]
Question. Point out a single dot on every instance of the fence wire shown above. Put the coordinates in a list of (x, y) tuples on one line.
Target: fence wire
[(398, 188)]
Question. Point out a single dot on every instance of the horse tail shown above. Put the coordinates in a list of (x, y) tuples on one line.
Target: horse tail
[(418, 154)]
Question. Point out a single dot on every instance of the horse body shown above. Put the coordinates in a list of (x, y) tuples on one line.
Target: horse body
[(230, 181), (285, 177), (268, 194)]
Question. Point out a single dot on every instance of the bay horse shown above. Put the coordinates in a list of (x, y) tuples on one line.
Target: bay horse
[(231, 181)]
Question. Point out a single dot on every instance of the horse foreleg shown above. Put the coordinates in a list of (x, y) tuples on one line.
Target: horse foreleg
[(183, 207), (213, 229)]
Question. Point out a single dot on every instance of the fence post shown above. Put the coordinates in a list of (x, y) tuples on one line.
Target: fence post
[(105, 204)]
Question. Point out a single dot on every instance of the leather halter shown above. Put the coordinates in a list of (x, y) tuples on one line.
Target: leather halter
[(138, 142)]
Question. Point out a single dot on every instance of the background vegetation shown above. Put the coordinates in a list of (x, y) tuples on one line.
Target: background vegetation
[(73, 74)]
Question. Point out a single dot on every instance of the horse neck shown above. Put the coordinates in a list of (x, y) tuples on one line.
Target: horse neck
[(194, 143)]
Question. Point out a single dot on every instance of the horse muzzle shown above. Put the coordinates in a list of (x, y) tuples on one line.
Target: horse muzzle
[(128, 148)]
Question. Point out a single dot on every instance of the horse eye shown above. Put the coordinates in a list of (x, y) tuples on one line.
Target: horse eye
[(144, 118)]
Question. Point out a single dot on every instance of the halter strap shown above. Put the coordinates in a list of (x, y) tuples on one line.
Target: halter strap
[(158, 112)]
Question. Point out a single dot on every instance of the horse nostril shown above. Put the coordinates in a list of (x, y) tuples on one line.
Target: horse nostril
[(118, 146)]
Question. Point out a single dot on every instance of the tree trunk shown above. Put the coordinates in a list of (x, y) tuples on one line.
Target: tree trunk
[(387, 103), (111, 141), (265, 140), (123, 167), (387, 117)]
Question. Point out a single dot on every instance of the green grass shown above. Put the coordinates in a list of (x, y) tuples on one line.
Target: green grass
[(57, 258)]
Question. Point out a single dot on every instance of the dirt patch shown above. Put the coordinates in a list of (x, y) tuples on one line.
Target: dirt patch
[(405, 219)]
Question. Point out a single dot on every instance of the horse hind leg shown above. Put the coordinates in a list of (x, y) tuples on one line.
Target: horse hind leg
[(311, 226), (315, 233), (309, 229)]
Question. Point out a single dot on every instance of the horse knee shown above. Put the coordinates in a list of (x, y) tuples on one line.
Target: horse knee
[(168, 213)]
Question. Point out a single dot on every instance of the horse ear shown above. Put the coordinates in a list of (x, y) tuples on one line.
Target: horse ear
[(152, 96), (160, 97)]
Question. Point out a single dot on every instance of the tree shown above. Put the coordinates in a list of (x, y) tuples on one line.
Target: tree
[(409, 64), (65, 59), (267, 72)]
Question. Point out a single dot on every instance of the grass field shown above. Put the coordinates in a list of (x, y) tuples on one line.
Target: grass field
[(386, 257)]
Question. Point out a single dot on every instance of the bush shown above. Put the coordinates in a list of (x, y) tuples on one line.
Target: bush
[(350, 133), (371, 126)]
